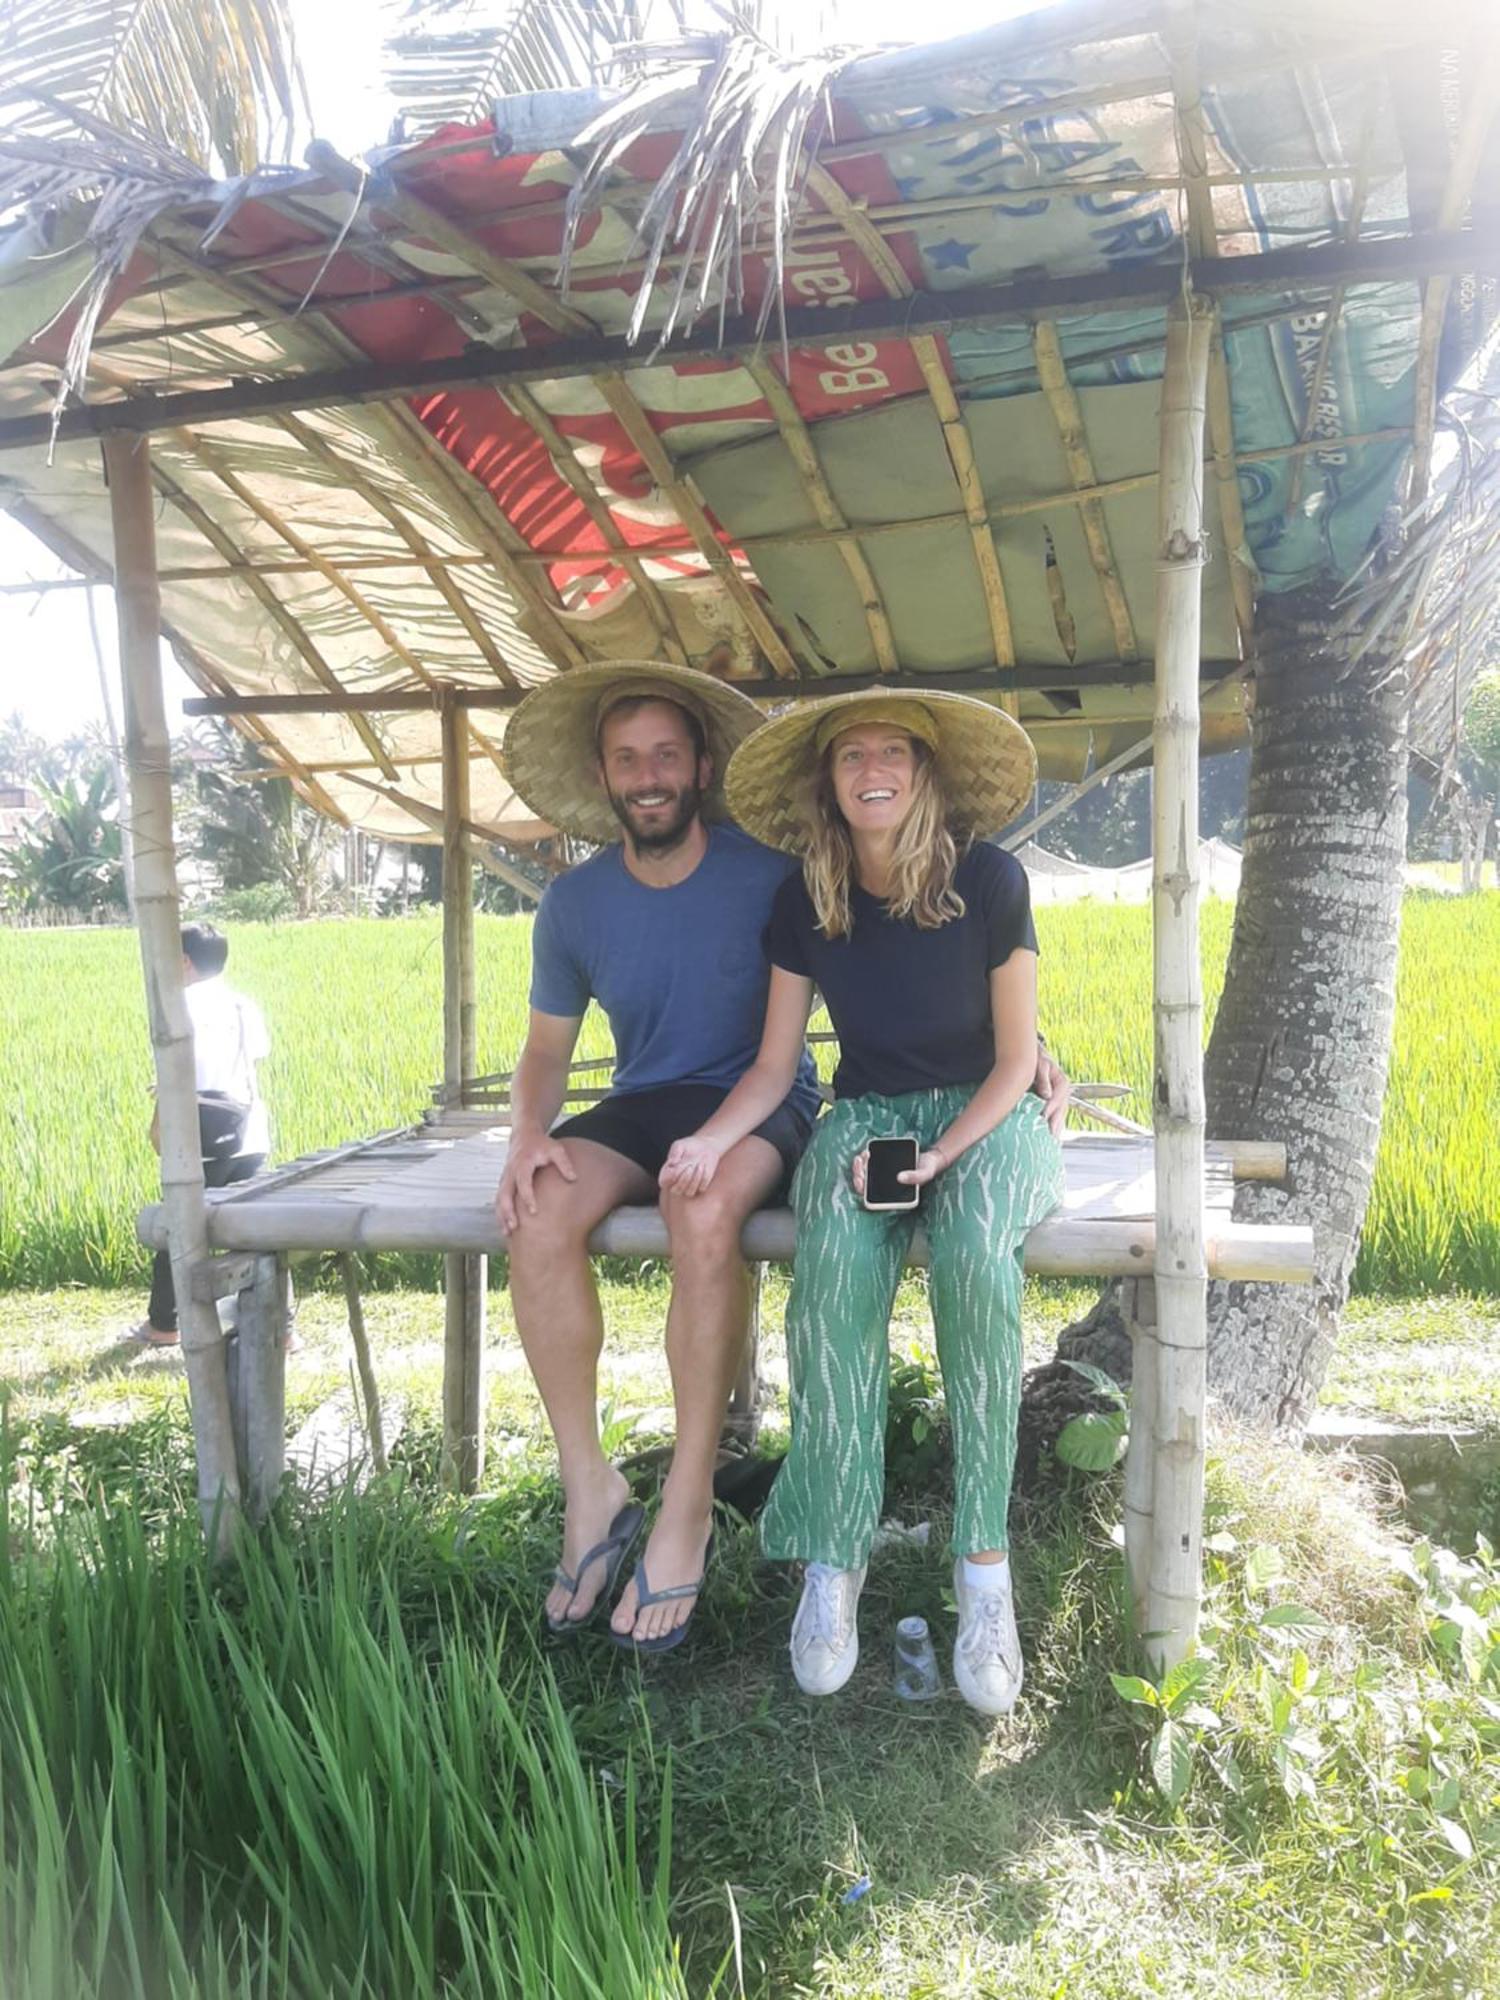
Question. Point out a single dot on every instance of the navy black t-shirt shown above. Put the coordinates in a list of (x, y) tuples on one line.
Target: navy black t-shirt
[(911, 1007)]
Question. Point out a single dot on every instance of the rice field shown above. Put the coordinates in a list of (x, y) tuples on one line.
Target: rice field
[(355, 1013)]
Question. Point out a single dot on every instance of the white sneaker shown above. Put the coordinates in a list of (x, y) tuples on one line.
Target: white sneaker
[(825, 1637), (987, 1664)]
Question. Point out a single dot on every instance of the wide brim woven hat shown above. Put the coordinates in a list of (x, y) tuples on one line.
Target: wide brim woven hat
[(985, 758), (550, 750)]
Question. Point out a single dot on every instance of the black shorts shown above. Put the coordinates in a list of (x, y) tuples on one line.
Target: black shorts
[(644, 1125)]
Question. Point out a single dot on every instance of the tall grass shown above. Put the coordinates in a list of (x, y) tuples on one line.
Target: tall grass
[(355, 1011), (338, 1772)]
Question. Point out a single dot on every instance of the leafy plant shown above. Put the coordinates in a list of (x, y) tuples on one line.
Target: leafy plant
[(1095, 1440), (916, 1427), (70, 859)]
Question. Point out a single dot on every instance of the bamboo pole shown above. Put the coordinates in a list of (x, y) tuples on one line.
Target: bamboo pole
[(148, 758), (1140, 1456), (1180, 1258), (464, 1276), (369, 1388)]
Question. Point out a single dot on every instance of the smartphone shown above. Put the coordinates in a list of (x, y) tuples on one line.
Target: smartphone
[(888, 1158)]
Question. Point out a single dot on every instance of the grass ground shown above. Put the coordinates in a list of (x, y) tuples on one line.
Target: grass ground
[(841, 1849)]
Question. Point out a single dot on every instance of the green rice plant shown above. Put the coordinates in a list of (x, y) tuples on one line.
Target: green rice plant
[(338, 1769), (355, 1012)]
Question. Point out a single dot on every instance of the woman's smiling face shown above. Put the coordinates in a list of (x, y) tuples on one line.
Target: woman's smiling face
[(873, 768)]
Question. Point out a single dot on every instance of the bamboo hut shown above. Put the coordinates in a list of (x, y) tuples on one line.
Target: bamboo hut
[(1019, 364)]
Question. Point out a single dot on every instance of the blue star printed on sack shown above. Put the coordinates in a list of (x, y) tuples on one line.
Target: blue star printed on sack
[(949, 256)]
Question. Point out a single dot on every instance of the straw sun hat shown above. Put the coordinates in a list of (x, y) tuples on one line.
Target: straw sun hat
[(985, 759), (551, 741)]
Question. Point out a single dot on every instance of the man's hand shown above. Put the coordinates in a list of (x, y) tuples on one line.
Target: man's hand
[(1054, 1089), (515, 1198), (691, 1165)]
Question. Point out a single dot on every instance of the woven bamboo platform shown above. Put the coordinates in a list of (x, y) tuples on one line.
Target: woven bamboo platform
[(431, 1187)]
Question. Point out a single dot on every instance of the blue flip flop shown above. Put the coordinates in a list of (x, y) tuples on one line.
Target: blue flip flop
[(623, 1530), (645, 1595)]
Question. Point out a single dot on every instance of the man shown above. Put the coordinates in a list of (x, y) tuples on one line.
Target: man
[(663, 929), (229, 1040)]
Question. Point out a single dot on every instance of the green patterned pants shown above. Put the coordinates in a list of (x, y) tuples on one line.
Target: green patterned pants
[(825, 1505)]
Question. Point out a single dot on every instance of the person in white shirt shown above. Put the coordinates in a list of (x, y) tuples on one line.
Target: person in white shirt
[(229, 1040)]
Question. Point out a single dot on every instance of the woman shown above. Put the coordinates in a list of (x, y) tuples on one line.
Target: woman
[(918, 936)]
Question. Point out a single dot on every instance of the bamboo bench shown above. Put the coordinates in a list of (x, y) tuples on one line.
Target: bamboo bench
[(430, 1187)]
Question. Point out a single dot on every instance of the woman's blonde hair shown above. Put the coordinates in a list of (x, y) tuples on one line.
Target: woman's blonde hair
[(922, 862)]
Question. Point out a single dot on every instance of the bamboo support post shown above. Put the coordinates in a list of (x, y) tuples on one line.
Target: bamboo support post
[(465, 1277), (256, 1358), (369, 1388), (1139, 1303), (148, 759), (743, 1419), (1180, 1260)]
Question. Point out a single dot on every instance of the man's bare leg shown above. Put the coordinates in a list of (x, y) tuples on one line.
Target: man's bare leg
[(705, 1333), (562, 1330)]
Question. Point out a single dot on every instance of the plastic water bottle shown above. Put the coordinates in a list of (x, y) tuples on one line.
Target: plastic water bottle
[(916, 1676)]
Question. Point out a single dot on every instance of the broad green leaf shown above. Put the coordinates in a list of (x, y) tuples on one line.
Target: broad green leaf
[(1172, 1761), (1264, 1566), (1130, 1687), (1182, 1680), (1092, 1442), (1294, 1618), (1105, 1385)]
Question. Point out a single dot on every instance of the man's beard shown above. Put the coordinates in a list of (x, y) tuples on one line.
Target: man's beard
[(666, 832)]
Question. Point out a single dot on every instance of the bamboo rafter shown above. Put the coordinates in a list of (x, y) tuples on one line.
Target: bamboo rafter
[(422, 459), (369, 490), (530, 411), (811, 231), (460, 243), (95, 568), (1020, 301), (798, 440), (638, 428), (1062, 399), (290, 625), (385, 256), (960, 446), (1190, 128)]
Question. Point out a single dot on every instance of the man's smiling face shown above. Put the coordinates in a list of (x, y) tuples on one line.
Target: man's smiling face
[(652, 772)]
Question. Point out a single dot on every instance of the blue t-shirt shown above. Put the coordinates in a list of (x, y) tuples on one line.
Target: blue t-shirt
[(678, 971), (911, 1007)]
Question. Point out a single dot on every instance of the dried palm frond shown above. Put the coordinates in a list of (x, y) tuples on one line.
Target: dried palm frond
[(446, 61), (122, 109), (753, 122), (1435, 604), (215, 82)]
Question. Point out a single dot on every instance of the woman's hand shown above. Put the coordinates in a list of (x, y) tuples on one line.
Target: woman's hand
[(929, 1165), (691, 1165)]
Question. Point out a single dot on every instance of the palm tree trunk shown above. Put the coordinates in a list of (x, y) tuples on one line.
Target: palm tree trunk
[(1301, 1041)]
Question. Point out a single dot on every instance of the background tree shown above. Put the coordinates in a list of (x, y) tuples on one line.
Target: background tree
[(1479, 767), (255, 833), (70, 861), (22, 751)]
